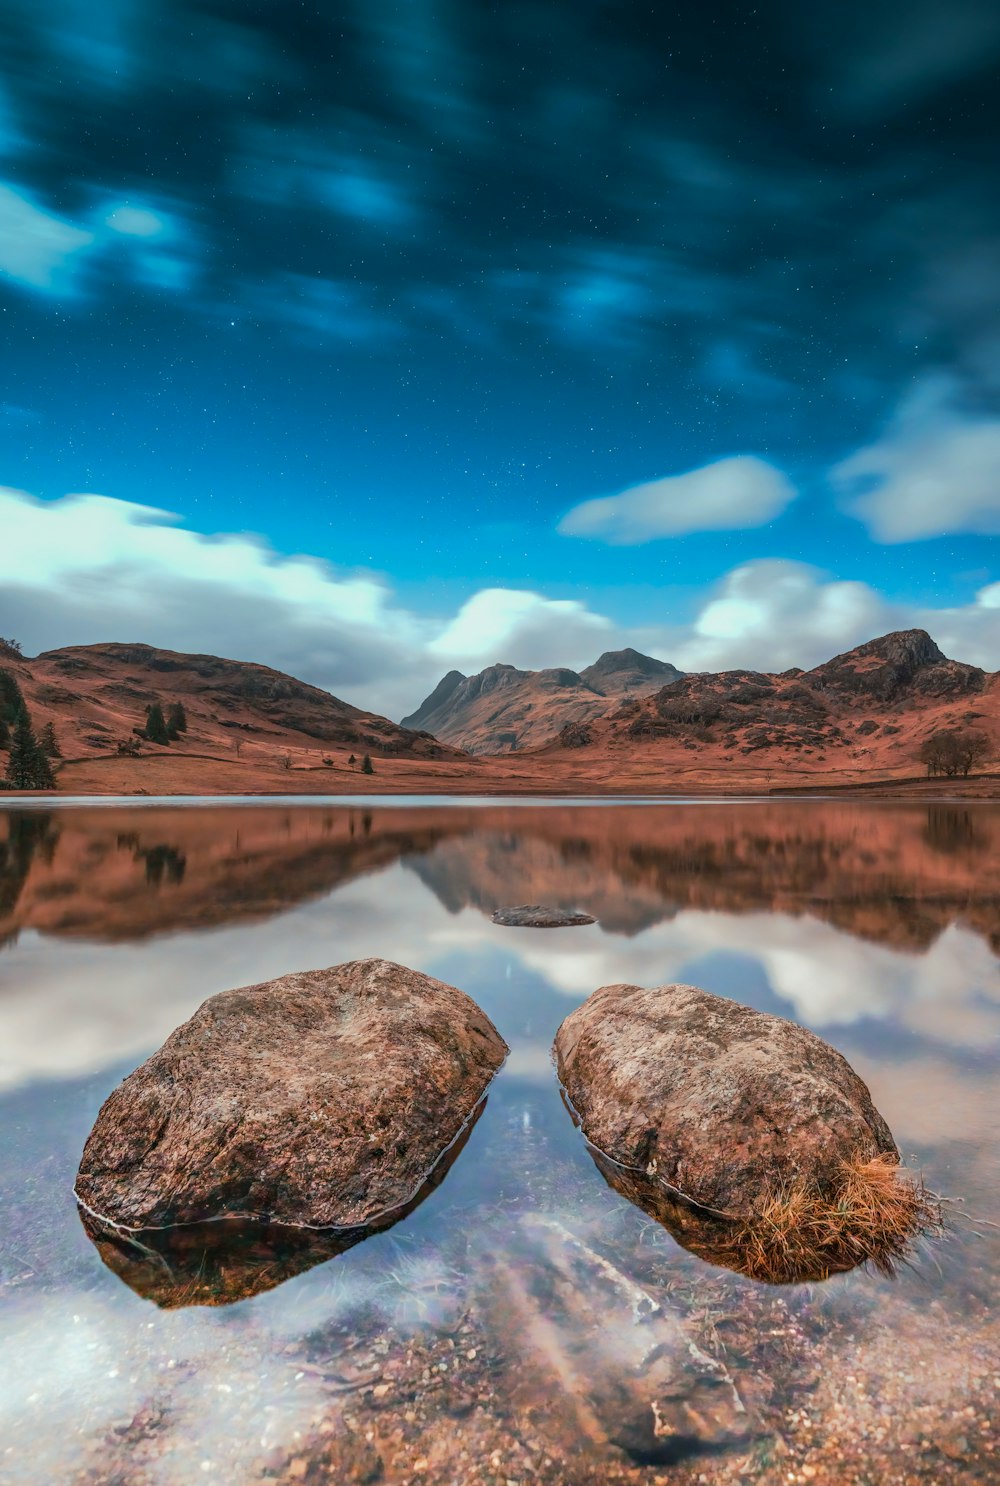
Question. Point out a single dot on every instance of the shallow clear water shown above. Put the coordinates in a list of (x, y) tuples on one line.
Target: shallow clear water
[(502, 1331)]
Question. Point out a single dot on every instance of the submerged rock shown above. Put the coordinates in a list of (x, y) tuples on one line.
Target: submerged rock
[(228, 1259), (323, 1098), (749, 1137), (626, 1361), (537, 916)]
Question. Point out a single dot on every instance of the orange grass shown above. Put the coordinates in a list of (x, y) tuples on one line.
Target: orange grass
[(874, 1216)]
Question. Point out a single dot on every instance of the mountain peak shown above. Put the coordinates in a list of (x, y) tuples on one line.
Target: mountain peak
[(907, 647), (618, 671)]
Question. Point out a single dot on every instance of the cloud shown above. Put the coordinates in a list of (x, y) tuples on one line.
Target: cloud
[(517, 624), (47, 254), (38, 249), (87, 568), (730, 494), (774, 613), (935, 470)]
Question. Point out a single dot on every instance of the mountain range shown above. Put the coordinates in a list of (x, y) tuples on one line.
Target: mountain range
[(626, 723), (502, 709)]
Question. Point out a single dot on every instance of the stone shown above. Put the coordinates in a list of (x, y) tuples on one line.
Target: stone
[(620, 1356), (324, 1098), (749, 1137), (537, 916), (223, 1260)]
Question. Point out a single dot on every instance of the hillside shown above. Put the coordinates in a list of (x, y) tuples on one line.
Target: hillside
[(857, 721), (871, 707), (96, 695), (502, 708)]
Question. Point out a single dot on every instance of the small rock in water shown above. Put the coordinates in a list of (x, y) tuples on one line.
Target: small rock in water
[(537, 916), (749, 1137), (323, 1098)]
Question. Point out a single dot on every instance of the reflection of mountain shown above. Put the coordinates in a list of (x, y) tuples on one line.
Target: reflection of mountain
[(895, 875), (125, 874)]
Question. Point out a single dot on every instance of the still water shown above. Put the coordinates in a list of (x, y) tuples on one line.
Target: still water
[(525, 1323)]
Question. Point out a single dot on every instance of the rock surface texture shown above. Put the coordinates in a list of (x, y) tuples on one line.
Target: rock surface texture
[(537, 916), (753, 1140), (322, 1098)]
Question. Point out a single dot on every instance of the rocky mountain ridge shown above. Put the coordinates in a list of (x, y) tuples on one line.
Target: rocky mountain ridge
[(875, 700), (502, 709)]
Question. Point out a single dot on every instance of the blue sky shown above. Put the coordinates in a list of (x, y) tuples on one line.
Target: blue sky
[(589, 324)]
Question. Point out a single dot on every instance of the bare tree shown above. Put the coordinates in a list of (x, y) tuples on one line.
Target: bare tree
[(954, 751)]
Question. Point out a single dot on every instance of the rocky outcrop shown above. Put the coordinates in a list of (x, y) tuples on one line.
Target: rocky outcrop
[(906, 662), (620, 672), (747, 1135), (438, 699), (502, 709), (536, 916), (323, 1098)]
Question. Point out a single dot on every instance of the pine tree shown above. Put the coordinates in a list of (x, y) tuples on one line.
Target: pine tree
[(48, 742), (176, 719), (156, 726), (27, 767), (12, 705), (367, 767)]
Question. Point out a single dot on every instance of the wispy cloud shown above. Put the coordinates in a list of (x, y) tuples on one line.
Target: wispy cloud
[(49, 254), (40, 250), (934, 470), (740, 492)]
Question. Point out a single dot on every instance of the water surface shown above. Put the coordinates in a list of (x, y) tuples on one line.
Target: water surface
[(502, 1330)]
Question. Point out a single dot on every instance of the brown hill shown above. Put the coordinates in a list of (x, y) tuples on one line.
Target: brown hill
[(502, 708), (96, 695), (868, 709)]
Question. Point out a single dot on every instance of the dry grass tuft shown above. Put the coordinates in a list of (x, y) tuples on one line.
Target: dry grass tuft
[(873, 1216)]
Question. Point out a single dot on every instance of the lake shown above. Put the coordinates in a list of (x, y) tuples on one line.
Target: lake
[(525, 1322)]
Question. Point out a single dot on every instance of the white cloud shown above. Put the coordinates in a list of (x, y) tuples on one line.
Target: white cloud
[(774, 613), (517, 624), (730, 494), (935, 470), (88, 568), (135, 221)]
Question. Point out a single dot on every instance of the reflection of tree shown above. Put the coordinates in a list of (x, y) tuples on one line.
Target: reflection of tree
[(30, 833), (163, 864), (953, 830)]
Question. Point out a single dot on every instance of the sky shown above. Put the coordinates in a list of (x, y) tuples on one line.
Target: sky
[(373, 338)]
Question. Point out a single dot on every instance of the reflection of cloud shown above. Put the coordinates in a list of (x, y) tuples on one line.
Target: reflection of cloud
[(72, 1008), (826, 976)]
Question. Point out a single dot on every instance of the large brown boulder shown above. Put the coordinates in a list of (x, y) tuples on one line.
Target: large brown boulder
[(227, 1259), (749, 1137), (322, 1098)]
